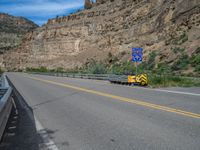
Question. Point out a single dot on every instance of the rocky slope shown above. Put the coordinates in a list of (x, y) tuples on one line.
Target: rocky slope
[(170, 28), (12, 30)]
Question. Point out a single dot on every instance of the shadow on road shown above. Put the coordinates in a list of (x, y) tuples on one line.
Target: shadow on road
[(21, 132)]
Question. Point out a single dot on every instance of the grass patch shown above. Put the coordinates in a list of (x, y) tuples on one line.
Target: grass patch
[(195, 60), (182, 63), (171, 81)]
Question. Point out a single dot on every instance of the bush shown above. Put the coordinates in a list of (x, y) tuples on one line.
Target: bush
[(163, 68), (151, 61), (116, 69), (59, 69), (180, 40), (97, 68), (178, 49), (1, 71), (197, 51), (182, 63), (154, 80), (41, 69), (171, 81), (183, 38), (195, 60)]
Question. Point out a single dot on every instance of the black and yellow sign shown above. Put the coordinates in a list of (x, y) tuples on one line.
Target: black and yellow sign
[(140, 79)]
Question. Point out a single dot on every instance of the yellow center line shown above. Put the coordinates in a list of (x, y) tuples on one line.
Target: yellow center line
[(137, 102)]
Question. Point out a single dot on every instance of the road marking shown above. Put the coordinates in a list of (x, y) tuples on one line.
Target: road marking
[(178, 92), (103, 82), (47, 142), (158, 90), (167, 91), (137, 102)]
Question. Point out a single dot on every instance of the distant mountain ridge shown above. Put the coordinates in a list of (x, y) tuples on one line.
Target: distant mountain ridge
[(12, 30), (12, 24)]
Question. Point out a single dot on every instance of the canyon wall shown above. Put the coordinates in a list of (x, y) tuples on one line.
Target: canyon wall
[(111, 27)]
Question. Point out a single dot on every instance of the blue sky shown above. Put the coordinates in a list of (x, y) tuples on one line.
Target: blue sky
[(40, 11)]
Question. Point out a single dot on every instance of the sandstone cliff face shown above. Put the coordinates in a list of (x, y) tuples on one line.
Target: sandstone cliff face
[(12, 30), (112, 27)]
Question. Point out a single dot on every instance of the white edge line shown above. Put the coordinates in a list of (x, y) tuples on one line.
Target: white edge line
[(48, 143), (159, 90), (167, 91), (178, 92)]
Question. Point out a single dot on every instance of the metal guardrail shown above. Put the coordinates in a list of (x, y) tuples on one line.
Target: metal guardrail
[(109, 77), (6, 103), (121, 79)]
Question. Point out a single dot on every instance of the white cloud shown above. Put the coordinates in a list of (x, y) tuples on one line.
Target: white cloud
[(41, 8)]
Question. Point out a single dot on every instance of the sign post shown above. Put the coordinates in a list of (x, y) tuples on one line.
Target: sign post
[(137, 54)]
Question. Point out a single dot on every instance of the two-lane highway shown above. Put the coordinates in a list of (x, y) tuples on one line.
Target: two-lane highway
[(95, 115)]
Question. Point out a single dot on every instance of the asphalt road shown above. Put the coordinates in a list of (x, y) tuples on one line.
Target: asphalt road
[(80, 114)]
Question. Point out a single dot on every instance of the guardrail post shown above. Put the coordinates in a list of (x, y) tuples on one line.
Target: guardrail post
[(5, 105)]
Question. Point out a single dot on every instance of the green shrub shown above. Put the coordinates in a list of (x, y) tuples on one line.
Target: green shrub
[(116, 69), (59, 69), (197, 51), (151, 61), (171, 81), (97, 68), (163, 68), (178, 50), (1, 71), (41, 69), (195, 60), (182, 63), (154, 80), (197, 68), (183, 38), (180, 40), (124, 68)]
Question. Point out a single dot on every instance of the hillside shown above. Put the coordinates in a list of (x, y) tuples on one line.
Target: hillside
[(168, 31), (12, 30)]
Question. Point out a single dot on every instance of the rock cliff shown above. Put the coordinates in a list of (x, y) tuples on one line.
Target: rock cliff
[(12, 30), (113, 26)]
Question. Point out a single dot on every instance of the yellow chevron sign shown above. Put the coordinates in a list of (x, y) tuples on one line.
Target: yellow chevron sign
[(140, 79)]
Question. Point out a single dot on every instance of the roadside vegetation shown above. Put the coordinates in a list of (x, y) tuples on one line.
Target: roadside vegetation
[(159, 75), (1, 71)]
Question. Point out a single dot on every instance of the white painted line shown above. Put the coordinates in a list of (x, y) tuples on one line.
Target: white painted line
[(48, 143), (178, 92), (169, 91), (160, 90)]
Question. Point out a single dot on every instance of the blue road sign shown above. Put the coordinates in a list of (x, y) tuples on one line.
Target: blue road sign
[(137, 54)]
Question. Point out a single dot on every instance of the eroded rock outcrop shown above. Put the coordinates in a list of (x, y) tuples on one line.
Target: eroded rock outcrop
[(111, 27), (12, 29)]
